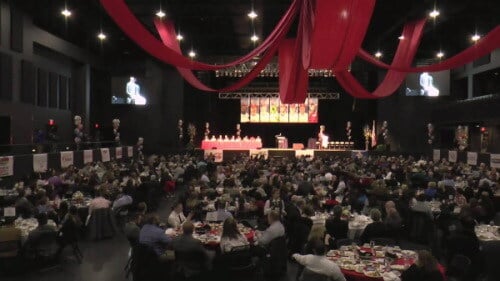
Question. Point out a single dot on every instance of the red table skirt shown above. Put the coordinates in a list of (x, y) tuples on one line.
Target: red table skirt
[(230, 144)]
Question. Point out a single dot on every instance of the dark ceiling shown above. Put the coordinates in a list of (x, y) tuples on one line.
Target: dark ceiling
[(216, 28)]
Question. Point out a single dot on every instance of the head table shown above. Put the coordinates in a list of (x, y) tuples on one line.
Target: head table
[(236, 144)]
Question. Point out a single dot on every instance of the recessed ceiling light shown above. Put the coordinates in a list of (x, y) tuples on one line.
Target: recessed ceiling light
[(440, 54), (434, 14), (254, 38), (378, 54), (160, 14), (179, 37), (252, 14), (66, 13), (192, 54), (475, 37), (101, 36)]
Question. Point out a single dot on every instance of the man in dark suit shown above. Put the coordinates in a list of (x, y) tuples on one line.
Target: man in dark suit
[(336, 227), (376, 229), (191, 258)]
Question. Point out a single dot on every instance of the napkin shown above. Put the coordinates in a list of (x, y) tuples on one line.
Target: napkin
[(390, 276)]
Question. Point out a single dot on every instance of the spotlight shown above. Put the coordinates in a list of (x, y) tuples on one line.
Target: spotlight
[(254, 38), (475, 37), (66, 13), (434, 14), (378, 54), (252, 15), (101, 36), (401, 37), (179, 37), (192, 54), (160, 14), (440, 55)]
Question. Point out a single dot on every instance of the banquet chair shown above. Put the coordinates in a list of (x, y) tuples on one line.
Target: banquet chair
[(238, 263), (45, 250), (144, 264), (308, 275), (382, 241), (275, 262), (101, 224), (458, 268)]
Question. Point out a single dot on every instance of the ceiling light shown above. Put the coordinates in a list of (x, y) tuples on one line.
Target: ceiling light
[(378, 54), (101, 36), (179, 37), (401, 37), (252, 14), (66, 13), (192, 54), (434, 14), (475, 37), (160, 14), (440, 54), (254, 38)]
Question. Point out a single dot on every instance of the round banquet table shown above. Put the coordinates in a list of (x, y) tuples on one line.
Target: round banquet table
[(211, 238), (352, 275)]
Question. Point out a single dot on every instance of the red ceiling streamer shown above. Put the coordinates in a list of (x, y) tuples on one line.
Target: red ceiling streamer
[(329, 36)]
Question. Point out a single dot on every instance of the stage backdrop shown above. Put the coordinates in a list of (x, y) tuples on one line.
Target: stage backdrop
[(271, 110)]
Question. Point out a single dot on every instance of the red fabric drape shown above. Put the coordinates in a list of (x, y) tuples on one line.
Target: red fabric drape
[(484, 46), (168, 36), (393, 79), (329, 32), (293, 79), (125, 19), (359, 19)]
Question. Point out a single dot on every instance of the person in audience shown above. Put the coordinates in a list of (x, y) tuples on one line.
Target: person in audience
[(99, 202), (153, 236), (393, 222), (176, 217), (142, 208), (460, 199), (122, 200), (275, 203), (431, 190), (301, 230), (132, 228), (424, 268), (376, 229), (191, 257), (231, 236), (465, 242), (70, 227), (420, 205), (318, 263), (220, 214), (42, 228), (22, 202), (335, 226), (275, 229), (43, 206)]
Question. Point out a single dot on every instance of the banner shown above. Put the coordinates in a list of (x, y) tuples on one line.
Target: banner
[(216, 153), (472, 158), (40, 163), (495, 160), (130, 151), (66, 159), (436, 155), (452, 156), (6, 166), (308, 153), (105, 155), (118, 153), (272, 110), (88, 156), (259, 153)]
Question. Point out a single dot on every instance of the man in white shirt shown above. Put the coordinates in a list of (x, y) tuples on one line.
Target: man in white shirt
[(274, 230), (176, 217), (318, 263)]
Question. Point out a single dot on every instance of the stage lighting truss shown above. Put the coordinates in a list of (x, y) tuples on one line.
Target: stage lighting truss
[(241, 95), (271, 70)]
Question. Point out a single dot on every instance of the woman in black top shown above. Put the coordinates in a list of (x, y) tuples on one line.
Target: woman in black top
[(424, 268)]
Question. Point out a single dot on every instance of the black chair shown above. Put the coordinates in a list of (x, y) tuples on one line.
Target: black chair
[(70, 236), (145, 265), (101, 224), (342, 242), (458, 268), (308, 275), (238, 264), (45, 250), (275, 262), (382, 241)]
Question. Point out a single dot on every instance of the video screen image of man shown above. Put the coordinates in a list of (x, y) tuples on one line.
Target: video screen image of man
[(133, 91)]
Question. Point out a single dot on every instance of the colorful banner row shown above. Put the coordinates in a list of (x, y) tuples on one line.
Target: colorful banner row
[(471, 158), (271, 110), (41, 163)]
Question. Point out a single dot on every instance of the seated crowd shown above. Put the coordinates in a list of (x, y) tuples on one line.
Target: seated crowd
[(292, 209)]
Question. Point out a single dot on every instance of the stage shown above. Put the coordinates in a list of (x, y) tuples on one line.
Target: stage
[(229, 154)]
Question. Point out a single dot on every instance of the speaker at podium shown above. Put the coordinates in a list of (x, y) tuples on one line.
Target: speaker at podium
[(281, 141)]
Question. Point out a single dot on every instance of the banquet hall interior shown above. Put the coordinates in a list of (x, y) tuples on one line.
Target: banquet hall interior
[(304, 140)]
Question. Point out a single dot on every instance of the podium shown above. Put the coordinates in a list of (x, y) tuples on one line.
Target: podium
[(281, 142)]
